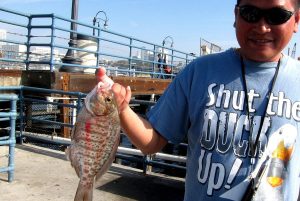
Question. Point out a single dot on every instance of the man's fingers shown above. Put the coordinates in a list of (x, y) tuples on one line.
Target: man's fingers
[(117, 88), (128, 94), (122, 96), (119, 92)]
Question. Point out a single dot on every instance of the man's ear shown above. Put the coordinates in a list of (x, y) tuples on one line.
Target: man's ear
[(297, 19), (235, 16)]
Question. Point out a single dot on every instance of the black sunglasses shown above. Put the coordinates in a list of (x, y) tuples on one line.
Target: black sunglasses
[(273, 16)]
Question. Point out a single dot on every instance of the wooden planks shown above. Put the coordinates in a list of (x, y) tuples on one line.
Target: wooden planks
[(78, 82), (10, 77), (143, 86)]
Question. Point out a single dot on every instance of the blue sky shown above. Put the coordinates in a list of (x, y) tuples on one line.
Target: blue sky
[(186, 21)]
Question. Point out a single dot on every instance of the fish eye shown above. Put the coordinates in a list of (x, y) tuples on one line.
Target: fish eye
[(108, 99)]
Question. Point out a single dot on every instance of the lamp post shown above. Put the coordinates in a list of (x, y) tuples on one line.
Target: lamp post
[(164, 56), (71, 56), (98, 19), (165, 40), (171, 41)]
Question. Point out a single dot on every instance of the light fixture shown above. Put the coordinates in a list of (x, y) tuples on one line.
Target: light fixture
[(98, 19), (166, 39)]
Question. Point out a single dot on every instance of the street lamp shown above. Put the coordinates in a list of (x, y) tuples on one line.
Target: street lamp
[(171, 41), (71, 56), (98, 19), (165, 40)]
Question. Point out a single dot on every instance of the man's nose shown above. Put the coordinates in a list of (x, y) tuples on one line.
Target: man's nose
[(262, 26)]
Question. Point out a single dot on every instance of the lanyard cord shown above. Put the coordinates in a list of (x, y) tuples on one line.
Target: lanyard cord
[(253, 146)]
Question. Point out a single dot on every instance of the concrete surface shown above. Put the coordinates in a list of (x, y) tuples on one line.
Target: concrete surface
[(43, 174)]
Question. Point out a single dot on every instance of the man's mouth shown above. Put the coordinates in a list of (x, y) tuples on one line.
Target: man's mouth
[(261, 41)]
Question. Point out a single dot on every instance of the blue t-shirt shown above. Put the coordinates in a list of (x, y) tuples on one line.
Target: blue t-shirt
[(206, 104)]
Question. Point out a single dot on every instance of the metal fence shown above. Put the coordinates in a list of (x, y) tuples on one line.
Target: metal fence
[(47, 116), (9, 113), (207, 47), (43, 42)]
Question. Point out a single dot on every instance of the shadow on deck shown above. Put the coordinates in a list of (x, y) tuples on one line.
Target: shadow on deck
[(44, 174)]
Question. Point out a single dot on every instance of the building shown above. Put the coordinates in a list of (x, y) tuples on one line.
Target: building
[(147, 56), (19, 52), (2, 37), (43, 54), (14, 51)]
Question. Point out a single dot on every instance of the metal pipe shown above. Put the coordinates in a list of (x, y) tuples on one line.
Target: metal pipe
[(71, 57), (164, 165), (52, 43), (11, 141), (7, 142), (4, 138), (120, 150), (161, 156), (74, 16)]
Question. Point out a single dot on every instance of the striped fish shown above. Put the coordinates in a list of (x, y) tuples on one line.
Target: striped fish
[(95, 139)]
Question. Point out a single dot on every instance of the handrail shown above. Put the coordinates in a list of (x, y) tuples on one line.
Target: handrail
[(36, 110), (101, 47), (10, 140)]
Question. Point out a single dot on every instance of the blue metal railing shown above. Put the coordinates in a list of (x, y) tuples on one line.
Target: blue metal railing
[(41, 41), (47, 41), (10, 140), (40, 118), (27, 114)]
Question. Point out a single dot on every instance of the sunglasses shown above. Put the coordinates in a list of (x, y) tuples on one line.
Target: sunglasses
[(273, 16)]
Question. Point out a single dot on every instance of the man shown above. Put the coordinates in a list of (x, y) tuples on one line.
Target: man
[(160, 61), (239, 110)]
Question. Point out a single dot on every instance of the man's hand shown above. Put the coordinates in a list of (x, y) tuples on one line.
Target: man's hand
[(138, 129), (122, 95)]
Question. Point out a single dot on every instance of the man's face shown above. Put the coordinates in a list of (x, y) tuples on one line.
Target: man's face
[(261, 41)]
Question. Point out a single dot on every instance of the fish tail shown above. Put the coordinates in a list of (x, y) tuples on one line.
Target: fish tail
[(84, 192)]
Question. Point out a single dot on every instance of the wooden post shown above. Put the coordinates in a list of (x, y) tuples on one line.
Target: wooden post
[(65, 111)]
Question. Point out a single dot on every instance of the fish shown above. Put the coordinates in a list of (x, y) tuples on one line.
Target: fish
[(94, 140)]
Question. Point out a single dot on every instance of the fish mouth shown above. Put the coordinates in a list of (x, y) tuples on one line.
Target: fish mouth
[(104, 86)]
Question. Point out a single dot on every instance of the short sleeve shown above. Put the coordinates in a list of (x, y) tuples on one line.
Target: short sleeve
[(169, 117)]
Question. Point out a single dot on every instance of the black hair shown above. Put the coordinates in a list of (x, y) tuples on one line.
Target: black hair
[(297, 2)]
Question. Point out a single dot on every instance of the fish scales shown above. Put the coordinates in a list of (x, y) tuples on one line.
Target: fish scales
[(95, 138)]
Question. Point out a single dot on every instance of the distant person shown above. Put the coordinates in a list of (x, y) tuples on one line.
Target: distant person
[(160, 65), (166, 67), (238, 109)]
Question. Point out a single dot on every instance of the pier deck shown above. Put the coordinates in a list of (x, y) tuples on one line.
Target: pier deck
[(44, 174), (78, 82)]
